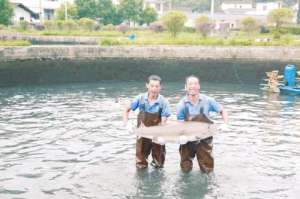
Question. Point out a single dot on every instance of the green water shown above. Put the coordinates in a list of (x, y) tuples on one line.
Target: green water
[(67, 141)]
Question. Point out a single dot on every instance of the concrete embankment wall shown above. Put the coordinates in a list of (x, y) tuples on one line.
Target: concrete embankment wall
[(59, 64)]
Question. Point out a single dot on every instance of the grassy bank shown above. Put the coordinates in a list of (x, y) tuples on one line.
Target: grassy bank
[(14, 43), (185, 38), (148, 37)]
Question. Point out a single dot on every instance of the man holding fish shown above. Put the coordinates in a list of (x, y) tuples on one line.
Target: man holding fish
[(195, 138), (153, 110), (196, 107)]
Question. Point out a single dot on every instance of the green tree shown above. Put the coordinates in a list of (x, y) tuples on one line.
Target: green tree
[(86, 8), (60, 12), (280, 16), (147, 16), (107, 13), (131, 10), (174, 21), (100, 10), (6, 12), (249, 24), (87, 24), (202, 19)]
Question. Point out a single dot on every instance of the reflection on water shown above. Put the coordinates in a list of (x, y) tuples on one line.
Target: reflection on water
[(67, 141)]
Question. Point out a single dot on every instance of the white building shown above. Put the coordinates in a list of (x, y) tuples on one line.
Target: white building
[(160, 6), (237, 4), (23, 13), (263, 8), (44, 8)]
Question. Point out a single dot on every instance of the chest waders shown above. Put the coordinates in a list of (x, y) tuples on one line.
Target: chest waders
[(145, 146), (200, 148)]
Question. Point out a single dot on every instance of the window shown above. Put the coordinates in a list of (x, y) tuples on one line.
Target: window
[(48, 14)]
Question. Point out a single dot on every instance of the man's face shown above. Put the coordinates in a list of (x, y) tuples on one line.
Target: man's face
[(192, 86), (153, 87)]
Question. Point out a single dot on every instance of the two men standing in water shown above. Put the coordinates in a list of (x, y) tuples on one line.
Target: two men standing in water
[(154, 110)]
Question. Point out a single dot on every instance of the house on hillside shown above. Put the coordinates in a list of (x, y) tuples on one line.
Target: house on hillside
[(44, 8), (23, 13)]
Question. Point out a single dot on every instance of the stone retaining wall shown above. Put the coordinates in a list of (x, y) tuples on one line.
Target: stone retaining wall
[(152, 52)]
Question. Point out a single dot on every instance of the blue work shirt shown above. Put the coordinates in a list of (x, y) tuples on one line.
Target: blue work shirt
[(153, 107), (205, 105)]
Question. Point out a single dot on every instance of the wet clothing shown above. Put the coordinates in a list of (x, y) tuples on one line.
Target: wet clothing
[(202, 149), (150, 115), (160, 102), (204, 106)]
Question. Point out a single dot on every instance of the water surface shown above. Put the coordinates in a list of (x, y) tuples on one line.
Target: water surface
[(67, 141)]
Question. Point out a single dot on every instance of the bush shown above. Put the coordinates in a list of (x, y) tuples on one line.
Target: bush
[(69, 25), (211, 42), (174, 21), (204, 28), (280, 16), (276, 35), (189, 29), (240, 42), (109, 27), (295, 30), (60, 24), (202, 19), (249, 24), (87, 24), (109, 42), (38, 26), (291, 30), (123, 28), (157, 27), (23, 25), (203, 25), (50, 25)]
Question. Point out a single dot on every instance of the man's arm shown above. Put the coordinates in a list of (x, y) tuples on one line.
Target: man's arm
[(131, 107), (216, 107), (126, 114), (165, 112), (224, 115), (180, 111)]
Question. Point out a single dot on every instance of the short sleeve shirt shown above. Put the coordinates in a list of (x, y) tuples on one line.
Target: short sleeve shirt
[(205, 105), (153, 107)]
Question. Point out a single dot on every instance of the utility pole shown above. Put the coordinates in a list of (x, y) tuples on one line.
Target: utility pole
[(298, 13), (66, 10), (41, 11), (212, 9)]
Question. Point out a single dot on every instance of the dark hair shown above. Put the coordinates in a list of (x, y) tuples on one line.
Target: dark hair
[(191, 76), (154, 78)]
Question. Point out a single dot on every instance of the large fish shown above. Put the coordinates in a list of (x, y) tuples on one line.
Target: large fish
[(178, 131)]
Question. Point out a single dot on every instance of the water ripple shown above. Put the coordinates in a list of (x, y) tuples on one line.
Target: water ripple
[(67, 141)]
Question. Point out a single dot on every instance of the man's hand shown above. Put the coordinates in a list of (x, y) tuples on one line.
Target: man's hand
[(129, 127), (182, 139)]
